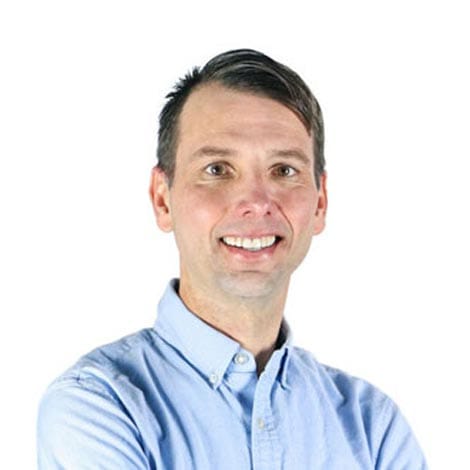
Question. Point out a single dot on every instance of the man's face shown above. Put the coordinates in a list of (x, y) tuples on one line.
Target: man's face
[(243, 204)]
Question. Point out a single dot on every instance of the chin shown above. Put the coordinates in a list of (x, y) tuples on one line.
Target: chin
[(250, 285)]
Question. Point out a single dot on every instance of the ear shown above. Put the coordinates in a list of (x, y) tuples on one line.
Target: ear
[(322, 205), (160, 196)]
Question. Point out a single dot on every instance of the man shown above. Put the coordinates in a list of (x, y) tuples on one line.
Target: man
[(217, 383)]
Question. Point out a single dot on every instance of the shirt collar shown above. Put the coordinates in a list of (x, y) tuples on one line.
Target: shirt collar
[(209, 350)]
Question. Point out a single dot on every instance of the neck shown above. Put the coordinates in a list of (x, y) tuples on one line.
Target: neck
[(253, 322)]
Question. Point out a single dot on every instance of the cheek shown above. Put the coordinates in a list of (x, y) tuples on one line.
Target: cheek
[(197, 209), (299, 206)]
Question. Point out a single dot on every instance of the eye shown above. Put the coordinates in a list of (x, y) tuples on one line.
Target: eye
[(217, 169), (285, 171)]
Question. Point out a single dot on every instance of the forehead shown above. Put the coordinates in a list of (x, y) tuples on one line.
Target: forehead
[(216, 115)]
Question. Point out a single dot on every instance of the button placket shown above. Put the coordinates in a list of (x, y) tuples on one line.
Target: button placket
[(266, 444)]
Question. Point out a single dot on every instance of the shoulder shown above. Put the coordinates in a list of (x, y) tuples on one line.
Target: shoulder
[(99, 371), (88, 408), (112, 373), (107, 363), (362, 409), (336, 381), (341, 389), (103, 374)]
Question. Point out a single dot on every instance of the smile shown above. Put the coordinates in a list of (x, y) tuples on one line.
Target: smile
[(251, 244)]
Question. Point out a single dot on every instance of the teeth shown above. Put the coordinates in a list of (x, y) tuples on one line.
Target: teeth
[(251, 244)]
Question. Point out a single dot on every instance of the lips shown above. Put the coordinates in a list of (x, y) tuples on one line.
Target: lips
[(251, 244)]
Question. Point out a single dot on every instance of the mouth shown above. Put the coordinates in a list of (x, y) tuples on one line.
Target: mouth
[(251, 244)]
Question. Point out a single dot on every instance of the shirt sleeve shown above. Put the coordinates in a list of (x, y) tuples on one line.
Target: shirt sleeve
[(83, 425), (399, 449)]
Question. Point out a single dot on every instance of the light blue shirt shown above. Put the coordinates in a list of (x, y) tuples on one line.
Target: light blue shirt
[(184, 396)]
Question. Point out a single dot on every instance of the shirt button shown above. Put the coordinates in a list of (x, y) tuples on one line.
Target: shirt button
[(241, 359), (261, 423), (213, 378)]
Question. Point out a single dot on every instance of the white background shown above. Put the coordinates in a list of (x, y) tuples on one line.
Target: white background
[(384, 292)]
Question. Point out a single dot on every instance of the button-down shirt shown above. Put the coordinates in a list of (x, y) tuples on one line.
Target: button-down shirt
[(183, 396)]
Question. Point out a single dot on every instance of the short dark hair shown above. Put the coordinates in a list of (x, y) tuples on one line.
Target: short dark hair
[(242, 70)]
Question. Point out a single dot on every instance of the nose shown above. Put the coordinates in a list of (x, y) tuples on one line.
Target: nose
[(255, 199)]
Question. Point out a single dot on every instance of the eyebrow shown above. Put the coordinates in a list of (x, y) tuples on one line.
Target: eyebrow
[(292, 153), (212, 151)]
